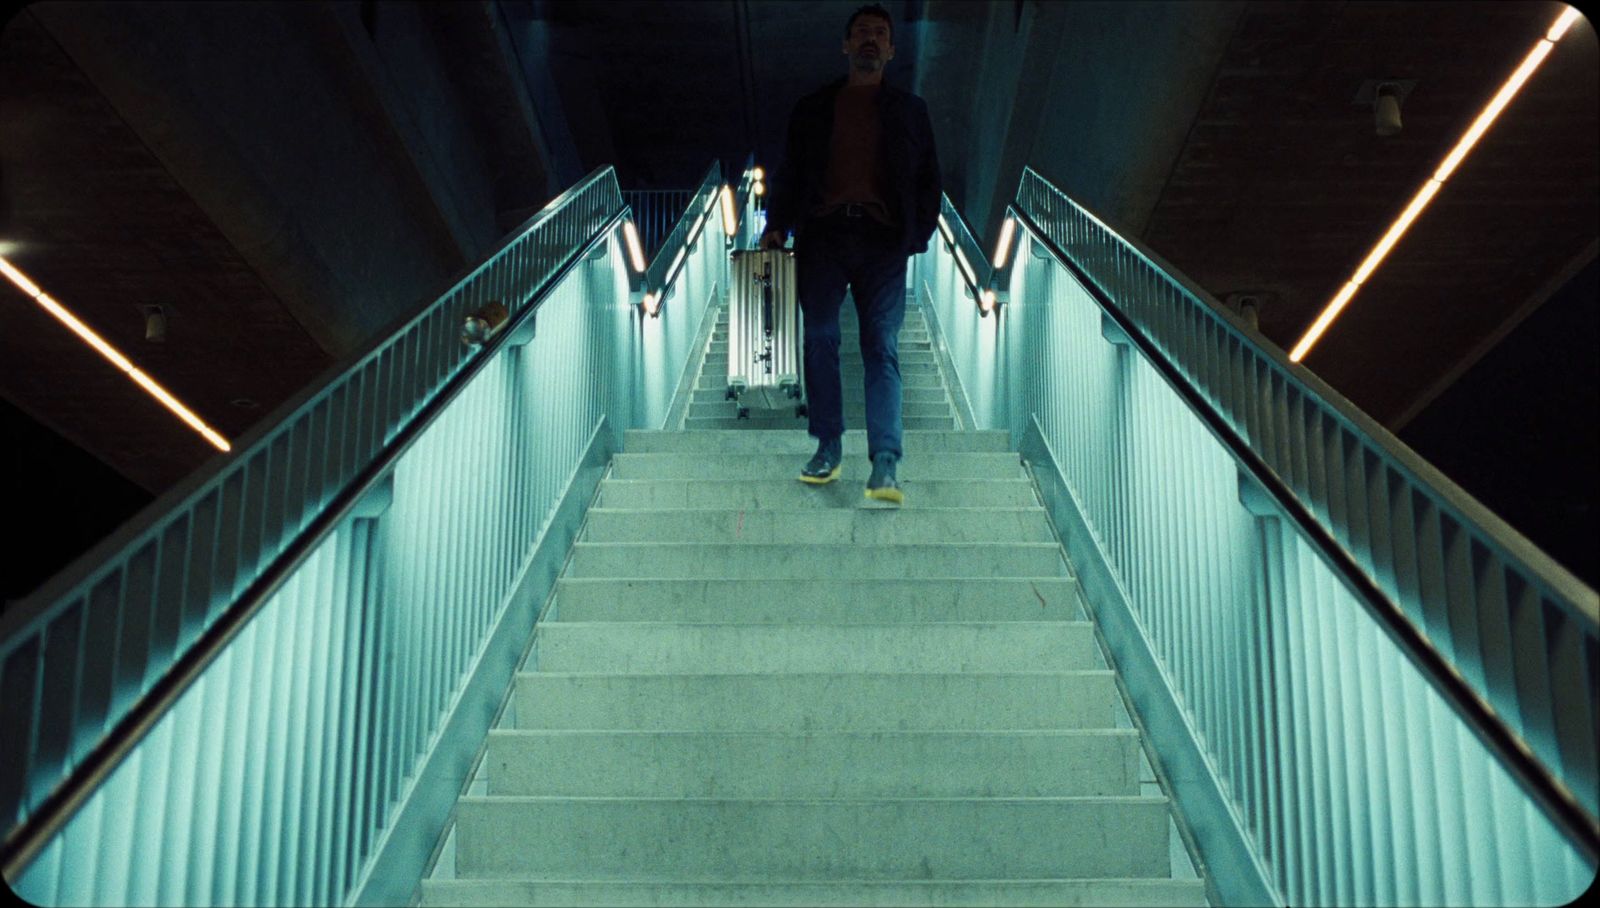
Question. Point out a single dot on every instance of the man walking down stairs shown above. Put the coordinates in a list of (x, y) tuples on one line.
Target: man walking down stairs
[(747, 690)]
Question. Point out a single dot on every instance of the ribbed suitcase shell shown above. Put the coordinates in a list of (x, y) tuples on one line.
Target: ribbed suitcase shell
[(764, 339)]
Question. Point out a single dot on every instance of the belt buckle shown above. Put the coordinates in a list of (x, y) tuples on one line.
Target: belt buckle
[(853, 210)]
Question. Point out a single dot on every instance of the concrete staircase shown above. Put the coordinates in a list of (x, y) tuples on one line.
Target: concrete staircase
[(750, 691)]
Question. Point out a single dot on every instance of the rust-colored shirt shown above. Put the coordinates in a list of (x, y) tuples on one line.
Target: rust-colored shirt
[(855, 173)]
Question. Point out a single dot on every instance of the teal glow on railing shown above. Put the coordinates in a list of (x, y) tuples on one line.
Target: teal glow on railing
[(1338, 764), (378, 528)]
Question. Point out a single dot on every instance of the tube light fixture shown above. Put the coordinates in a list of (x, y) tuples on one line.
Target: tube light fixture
[(652, 304), (730, 223), (944, 231), (1425, 195), (1002, 249), (694, 232), (986, 301), (111, 354), (635, 252)]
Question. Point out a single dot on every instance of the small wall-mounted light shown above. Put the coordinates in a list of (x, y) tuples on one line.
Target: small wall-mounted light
[(758, 174), (1386, 109), (483, 322), (1384, 97), (985, 302), (759, 188), (155, 324), (652, 304)]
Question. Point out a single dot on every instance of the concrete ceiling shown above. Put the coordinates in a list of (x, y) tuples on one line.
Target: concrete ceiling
[(1283, 186), (98, 221), (1279, 186)]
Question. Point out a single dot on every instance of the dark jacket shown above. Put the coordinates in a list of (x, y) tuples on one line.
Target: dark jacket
[(910, 165)]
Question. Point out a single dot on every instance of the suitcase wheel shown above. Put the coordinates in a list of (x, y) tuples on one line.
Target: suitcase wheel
[(744, 412), (731, 395)]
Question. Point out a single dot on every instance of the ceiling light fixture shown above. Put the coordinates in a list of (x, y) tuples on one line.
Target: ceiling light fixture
[(111, 354), (1429, 189)]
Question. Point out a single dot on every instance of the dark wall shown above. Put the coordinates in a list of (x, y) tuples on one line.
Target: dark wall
[(58, 500), (1519, 431)]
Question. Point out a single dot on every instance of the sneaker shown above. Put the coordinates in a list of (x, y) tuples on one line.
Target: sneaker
[(826, 465), (881, 485)]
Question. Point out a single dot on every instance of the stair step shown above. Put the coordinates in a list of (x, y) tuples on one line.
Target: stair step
[(767, 423), (852, 366), (792, 601), (908, 342), (852, 395), (796, 441), (932, 465), (718, 352), (923, 764), (813, 702), (715, 377), (881, 838), (908, 409), (762, 560), (857, 525), (664, 647), (554, 893), (767, 493)]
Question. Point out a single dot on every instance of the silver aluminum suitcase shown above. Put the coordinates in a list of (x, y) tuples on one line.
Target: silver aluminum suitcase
[(764, 336)]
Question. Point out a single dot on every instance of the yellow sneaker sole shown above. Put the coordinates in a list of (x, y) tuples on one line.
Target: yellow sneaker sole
[(891, 495), (823, 480)]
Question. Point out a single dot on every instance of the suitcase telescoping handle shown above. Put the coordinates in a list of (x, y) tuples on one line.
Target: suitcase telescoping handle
[(768, 324), (766, 299)]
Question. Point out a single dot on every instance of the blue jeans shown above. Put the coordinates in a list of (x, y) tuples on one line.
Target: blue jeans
[(834, 253)]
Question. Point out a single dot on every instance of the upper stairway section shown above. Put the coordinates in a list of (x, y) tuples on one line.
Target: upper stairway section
[(926, 398)]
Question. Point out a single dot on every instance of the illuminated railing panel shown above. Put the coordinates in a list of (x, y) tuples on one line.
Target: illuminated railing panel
[(1353, 780), (279, 774)]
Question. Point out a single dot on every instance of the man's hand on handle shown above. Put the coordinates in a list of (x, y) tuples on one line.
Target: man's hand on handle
[(772, 239)]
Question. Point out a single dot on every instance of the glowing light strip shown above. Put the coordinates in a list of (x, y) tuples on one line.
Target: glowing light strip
[(944, 230), (635, 251), (112, 355), (1005, 242), (694, 232), (672, 269), (986, 300), (1425, 195), (730, 224)]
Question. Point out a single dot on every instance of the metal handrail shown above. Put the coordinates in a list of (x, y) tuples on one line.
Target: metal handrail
[(23, 841), (1553, 797), (675, 248), (963, 238)]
